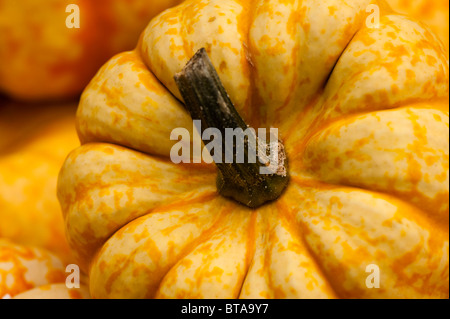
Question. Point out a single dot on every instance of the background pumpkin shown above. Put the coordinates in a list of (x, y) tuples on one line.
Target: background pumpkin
[(33, 273), (55, 291), (44, 60), (363, 114), (433, 13), (33, 146)]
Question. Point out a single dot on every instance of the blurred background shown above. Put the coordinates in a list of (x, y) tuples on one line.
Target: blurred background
[(44, 67)]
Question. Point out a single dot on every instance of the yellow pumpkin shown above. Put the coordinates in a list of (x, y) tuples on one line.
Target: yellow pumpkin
[(434, 13), (33, 146), (55, 291), (28, 272), (43, 59), (363, 115)]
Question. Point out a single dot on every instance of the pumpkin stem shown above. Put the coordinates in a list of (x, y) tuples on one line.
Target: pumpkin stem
[(255, 171)]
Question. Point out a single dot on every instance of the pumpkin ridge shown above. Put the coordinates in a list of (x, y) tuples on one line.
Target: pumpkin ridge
[(250, 251), (434, 222), (318, 126), (434, 242), (202, 198), (192, 246), (267, 261), (96, 265), (414, 156), (290, 220), (262, 223)]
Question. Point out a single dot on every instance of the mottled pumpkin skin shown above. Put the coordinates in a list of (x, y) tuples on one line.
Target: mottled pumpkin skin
[(28, 272), (363, 114), (434, 13), (44, 60), (55, 291), (33, 146)]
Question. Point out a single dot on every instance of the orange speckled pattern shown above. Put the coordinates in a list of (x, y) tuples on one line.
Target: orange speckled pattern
[(42, 59), (434, 13), (28, 272), (55, 291), (364, 117), (23, 268)]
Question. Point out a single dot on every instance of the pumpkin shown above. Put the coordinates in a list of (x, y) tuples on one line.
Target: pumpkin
[(362, 113), (43, 59), (434, 13), (55, 291), (33, 146), (28, 272)]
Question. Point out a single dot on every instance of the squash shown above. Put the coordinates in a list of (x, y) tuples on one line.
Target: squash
[(33, 146), (55, 291), (433, 13), (362, 113), (28, 272), (42, 59)]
